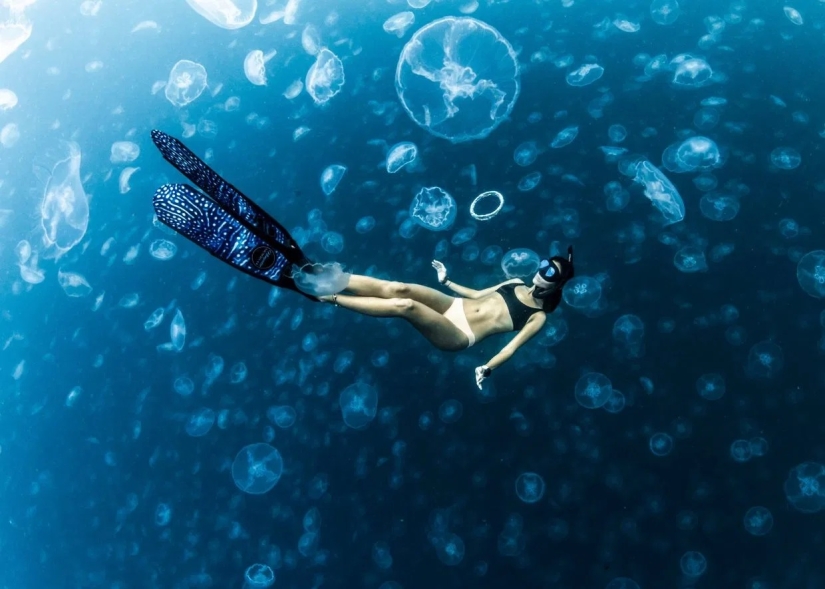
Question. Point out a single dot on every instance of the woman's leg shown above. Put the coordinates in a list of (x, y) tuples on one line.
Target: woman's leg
[(366, 286), (432, 325)]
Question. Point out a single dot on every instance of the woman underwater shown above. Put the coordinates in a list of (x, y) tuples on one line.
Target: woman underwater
[(233, 228)]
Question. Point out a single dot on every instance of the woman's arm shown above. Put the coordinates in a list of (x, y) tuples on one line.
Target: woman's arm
[(531, 328)]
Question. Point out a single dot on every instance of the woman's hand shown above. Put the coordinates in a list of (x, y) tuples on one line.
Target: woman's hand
[(441, 270), (482, 372)]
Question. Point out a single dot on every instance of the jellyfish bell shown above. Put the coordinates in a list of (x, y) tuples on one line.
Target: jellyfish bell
[(321, 279)]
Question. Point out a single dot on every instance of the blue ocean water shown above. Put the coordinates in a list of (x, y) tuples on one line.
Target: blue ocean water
[(167, 421)]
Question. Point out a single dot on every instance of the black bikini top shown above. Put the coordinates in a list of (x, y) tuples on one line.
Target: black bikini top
[(519, 312)]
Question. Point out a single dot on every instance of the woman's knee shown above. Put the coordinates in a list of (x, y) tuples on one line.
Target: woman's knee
[(403, 306), (398, 290)]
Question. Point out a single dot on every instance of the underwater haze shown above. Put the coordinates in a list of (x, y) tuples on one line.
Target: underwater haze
[(169, 422)]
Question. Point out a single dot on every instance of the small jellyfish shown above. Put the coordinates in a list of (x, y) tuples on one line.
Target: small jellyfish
[(664, 12), (793, 15), (690, 259), (786, 158), (450, 411), (758, 521), (163, 249), (810, 273), (257, 468), (398, 24), (530, 487), (331, 176), (332, 242), (661, 192), (690, 72), (73, 284), (805, 487), (365, 224), (585, 74), (123, 152), (163, 514), (184, 386), (719, 207), (617, 133), (312, 520), (9, 135), (200, 422), (582, 292), (359, 404), (283, 416), (187, 81), (711, 386), (526, 153), (8, 99), (693, 564), (622, 583), (154, 319), (661, 444), (765, 360), (529, 181), (593, 390), (565, 137), (449, 548), (227, 14), (520, 263), (434, 209), (325, 77), (381, 555), (238, 372), (259, 576), (740, 451), (177, 331), (254, 66), (615, 403), (628, 330), (124, 179), (400, 155)]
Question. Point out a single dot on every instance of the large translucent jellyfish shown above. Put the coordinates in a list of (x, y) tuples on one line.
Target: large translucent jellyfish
[(359, 404), (257, 468), (585, 75), (661, 192), (15, 28), (400, 155), (187, 81), (124, 152), (254, 66), (227, 14), (810, 272), (73, 284), (64, 212), (8, 99), (325, 77), (331, 176), (434, 209), (458, 78), (321, 279), (177, 331), (520, 263), (664, 12), (693, 154), (398, 24)]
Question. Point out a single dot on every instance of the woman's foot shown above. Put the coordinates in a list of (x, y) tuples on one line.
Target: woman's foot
[(329, 299)]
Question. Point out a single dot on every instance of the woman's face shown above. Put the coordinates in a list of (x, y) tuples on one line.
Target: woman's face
[(542, 284)]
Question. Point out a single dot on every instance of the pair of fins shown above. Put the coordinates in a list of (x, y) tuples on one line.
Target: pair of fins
[(223, 221)]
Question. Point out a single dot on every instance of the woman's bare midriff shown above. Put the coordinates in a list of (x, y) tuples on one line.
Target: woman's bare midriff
[(488, 316)]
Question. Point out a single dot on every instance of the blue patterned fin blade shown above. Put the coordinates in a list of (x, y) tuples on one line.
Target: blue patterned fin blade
[(226, 195), (203, 222)]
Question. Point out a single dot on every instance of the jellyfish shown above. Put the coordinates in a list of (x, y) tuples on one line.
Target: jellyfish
[(227, 14), (661, 192), (331, 176), (187, 81), (810, 273), (400, 155), (64, 211), (321, 279), (254, 66), (325, 77), (257, 468), (434, 209), (398, 24), (359, 404), (458, 78), (585, 75), (520, 263), (73, 284)]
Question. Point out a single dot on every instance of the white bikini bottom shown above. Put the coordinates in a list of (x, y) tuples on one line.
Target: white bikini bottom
[(455, 315)]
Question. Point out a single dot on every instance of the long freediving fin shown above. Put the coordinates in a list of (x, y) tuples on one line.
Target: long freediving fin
[(228, 197)]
